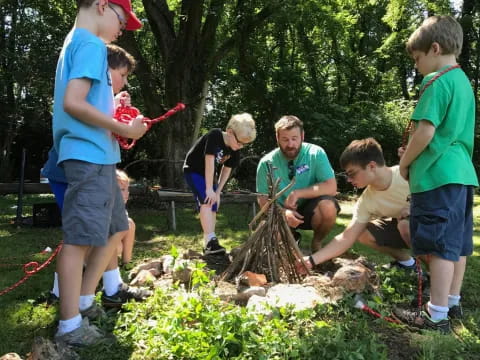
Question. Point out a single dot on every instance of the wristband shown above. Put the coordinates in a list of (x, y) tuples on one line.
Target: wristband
[(310, 258)]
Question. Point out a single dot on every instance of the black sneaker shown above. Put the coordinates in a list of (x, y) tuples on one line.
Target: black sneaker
[(124, 294), (213, 247), (455, 312), (422, 320)]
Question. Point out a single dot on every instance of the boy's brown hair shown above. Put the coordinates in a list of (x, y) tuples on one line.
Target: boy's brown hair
[(361, 152), (119, 57), (444, 30), (288, 122)]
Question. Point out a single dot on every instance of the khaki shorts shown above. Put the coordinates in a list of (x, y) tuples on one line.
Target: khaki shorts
[(385, 233), (93, 208)]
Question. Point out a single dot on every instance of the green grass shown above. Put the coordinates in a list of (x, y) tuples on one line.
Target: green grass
[(157, 329)]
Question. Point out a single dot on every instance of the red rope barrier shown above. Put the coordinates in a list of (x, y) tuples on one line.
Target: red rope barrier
[(125, 114), (31, 269)]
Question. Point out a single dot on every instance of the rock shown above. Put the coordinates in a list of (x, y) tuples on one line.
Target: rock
[(144, 278), (168, 263), (353, 277), (298, 296), (191, 255), (11, 356), (154, 264), (182, 272), (163, 283), (234, 252), (44, 349), (225, 291), (242, 297), (252, 279)]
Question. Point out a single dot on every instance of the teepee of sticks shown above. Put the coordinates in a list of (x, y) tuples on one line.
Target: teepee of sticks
[(271, 248)]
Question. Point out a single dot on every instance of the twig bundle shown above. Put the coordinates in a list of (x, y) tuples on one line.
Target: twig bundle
[(271, 248)]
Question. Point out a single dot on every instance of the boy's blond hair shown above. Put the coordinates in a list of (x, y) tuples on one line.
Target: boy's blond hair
[(243, 126), (444, 30), (288, 122), (122, 176)]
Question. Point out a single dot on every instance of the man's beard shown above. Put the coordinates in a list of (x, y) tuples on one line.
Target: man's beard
[(291, 153)]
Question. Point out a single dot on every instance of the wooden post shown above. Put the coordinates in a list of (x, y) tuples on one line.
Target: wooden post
[(173, 220)]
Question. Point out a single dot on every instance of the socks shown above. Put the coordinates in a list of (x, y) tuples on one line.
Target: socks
[(111, 281), (453, 300), (409, 262), (66, 326), (208, 237), (55, 290), (86, 301), (437, 313)]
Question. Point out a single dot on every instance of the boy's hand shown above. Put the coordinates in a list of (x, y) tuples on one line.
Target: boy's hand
[(291, 200), (135, 129), (211, 197), (123, 98), (294, 219), (401, 151)]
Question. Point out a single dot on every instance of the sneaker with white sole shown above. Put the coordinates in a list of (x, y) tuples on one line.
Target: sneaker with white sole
[(422, 320), (124, 294), (93, 312), (455, 312), (85, 335), (214, 247)]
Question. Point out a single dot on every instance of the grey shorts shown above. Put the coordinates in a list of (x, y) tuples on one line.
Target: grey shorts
[(93, 208), (385, 233)]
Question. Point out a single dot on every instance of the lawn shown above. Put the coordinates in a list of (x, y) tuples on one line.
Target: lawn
[(173, 326)]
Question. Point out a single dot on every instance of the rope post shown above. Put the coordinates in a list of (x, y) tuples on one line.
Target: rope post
[(18, 220)]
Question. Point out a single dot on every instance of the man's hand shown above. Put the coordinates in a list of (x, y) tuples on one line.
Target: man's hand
[(294, 219), (211, 197), (291, 200)]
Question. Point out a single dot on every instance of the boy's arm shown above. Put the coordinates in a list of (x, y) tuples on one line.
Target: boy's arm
[(75, 104), (340, 243), (421, 137), (224, 175), (211, 197)]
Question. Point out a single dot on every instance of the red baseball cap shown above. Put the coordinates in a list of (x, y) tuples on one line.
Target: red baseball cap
[(132, 21)]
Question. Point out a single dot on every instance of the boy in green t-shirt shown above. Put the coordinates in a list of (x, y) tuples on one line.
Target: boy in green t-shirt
[(438, 164)]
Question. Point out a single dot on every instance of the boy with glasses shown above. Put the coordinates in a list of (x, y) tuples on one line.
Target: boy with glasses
[(212, 157), (380, 216), (310, 204), (93, 212)]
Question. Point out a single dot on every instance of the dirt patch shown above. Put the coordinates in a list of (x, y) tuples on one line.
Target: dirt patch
[(397, 341)]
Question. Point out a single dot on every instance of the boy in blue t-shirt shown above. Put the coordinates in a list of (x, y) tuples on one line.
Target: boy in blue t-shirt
[(83, 125), (115, 292), (438, 164)]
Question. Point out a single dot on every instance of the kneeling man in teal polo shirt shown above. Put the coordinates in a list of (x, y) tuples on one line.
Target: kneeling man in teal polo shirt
[(310, 204)]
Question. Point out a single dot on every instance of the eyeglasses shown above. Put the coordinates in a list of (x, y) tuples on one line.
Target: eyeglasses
[(238, 141), (351, 174), (291, 170), (121, 19)]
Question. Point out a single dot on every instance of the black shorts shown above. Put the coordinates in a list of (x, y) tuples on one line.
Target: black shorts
[(307, 209), (385, 232)]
